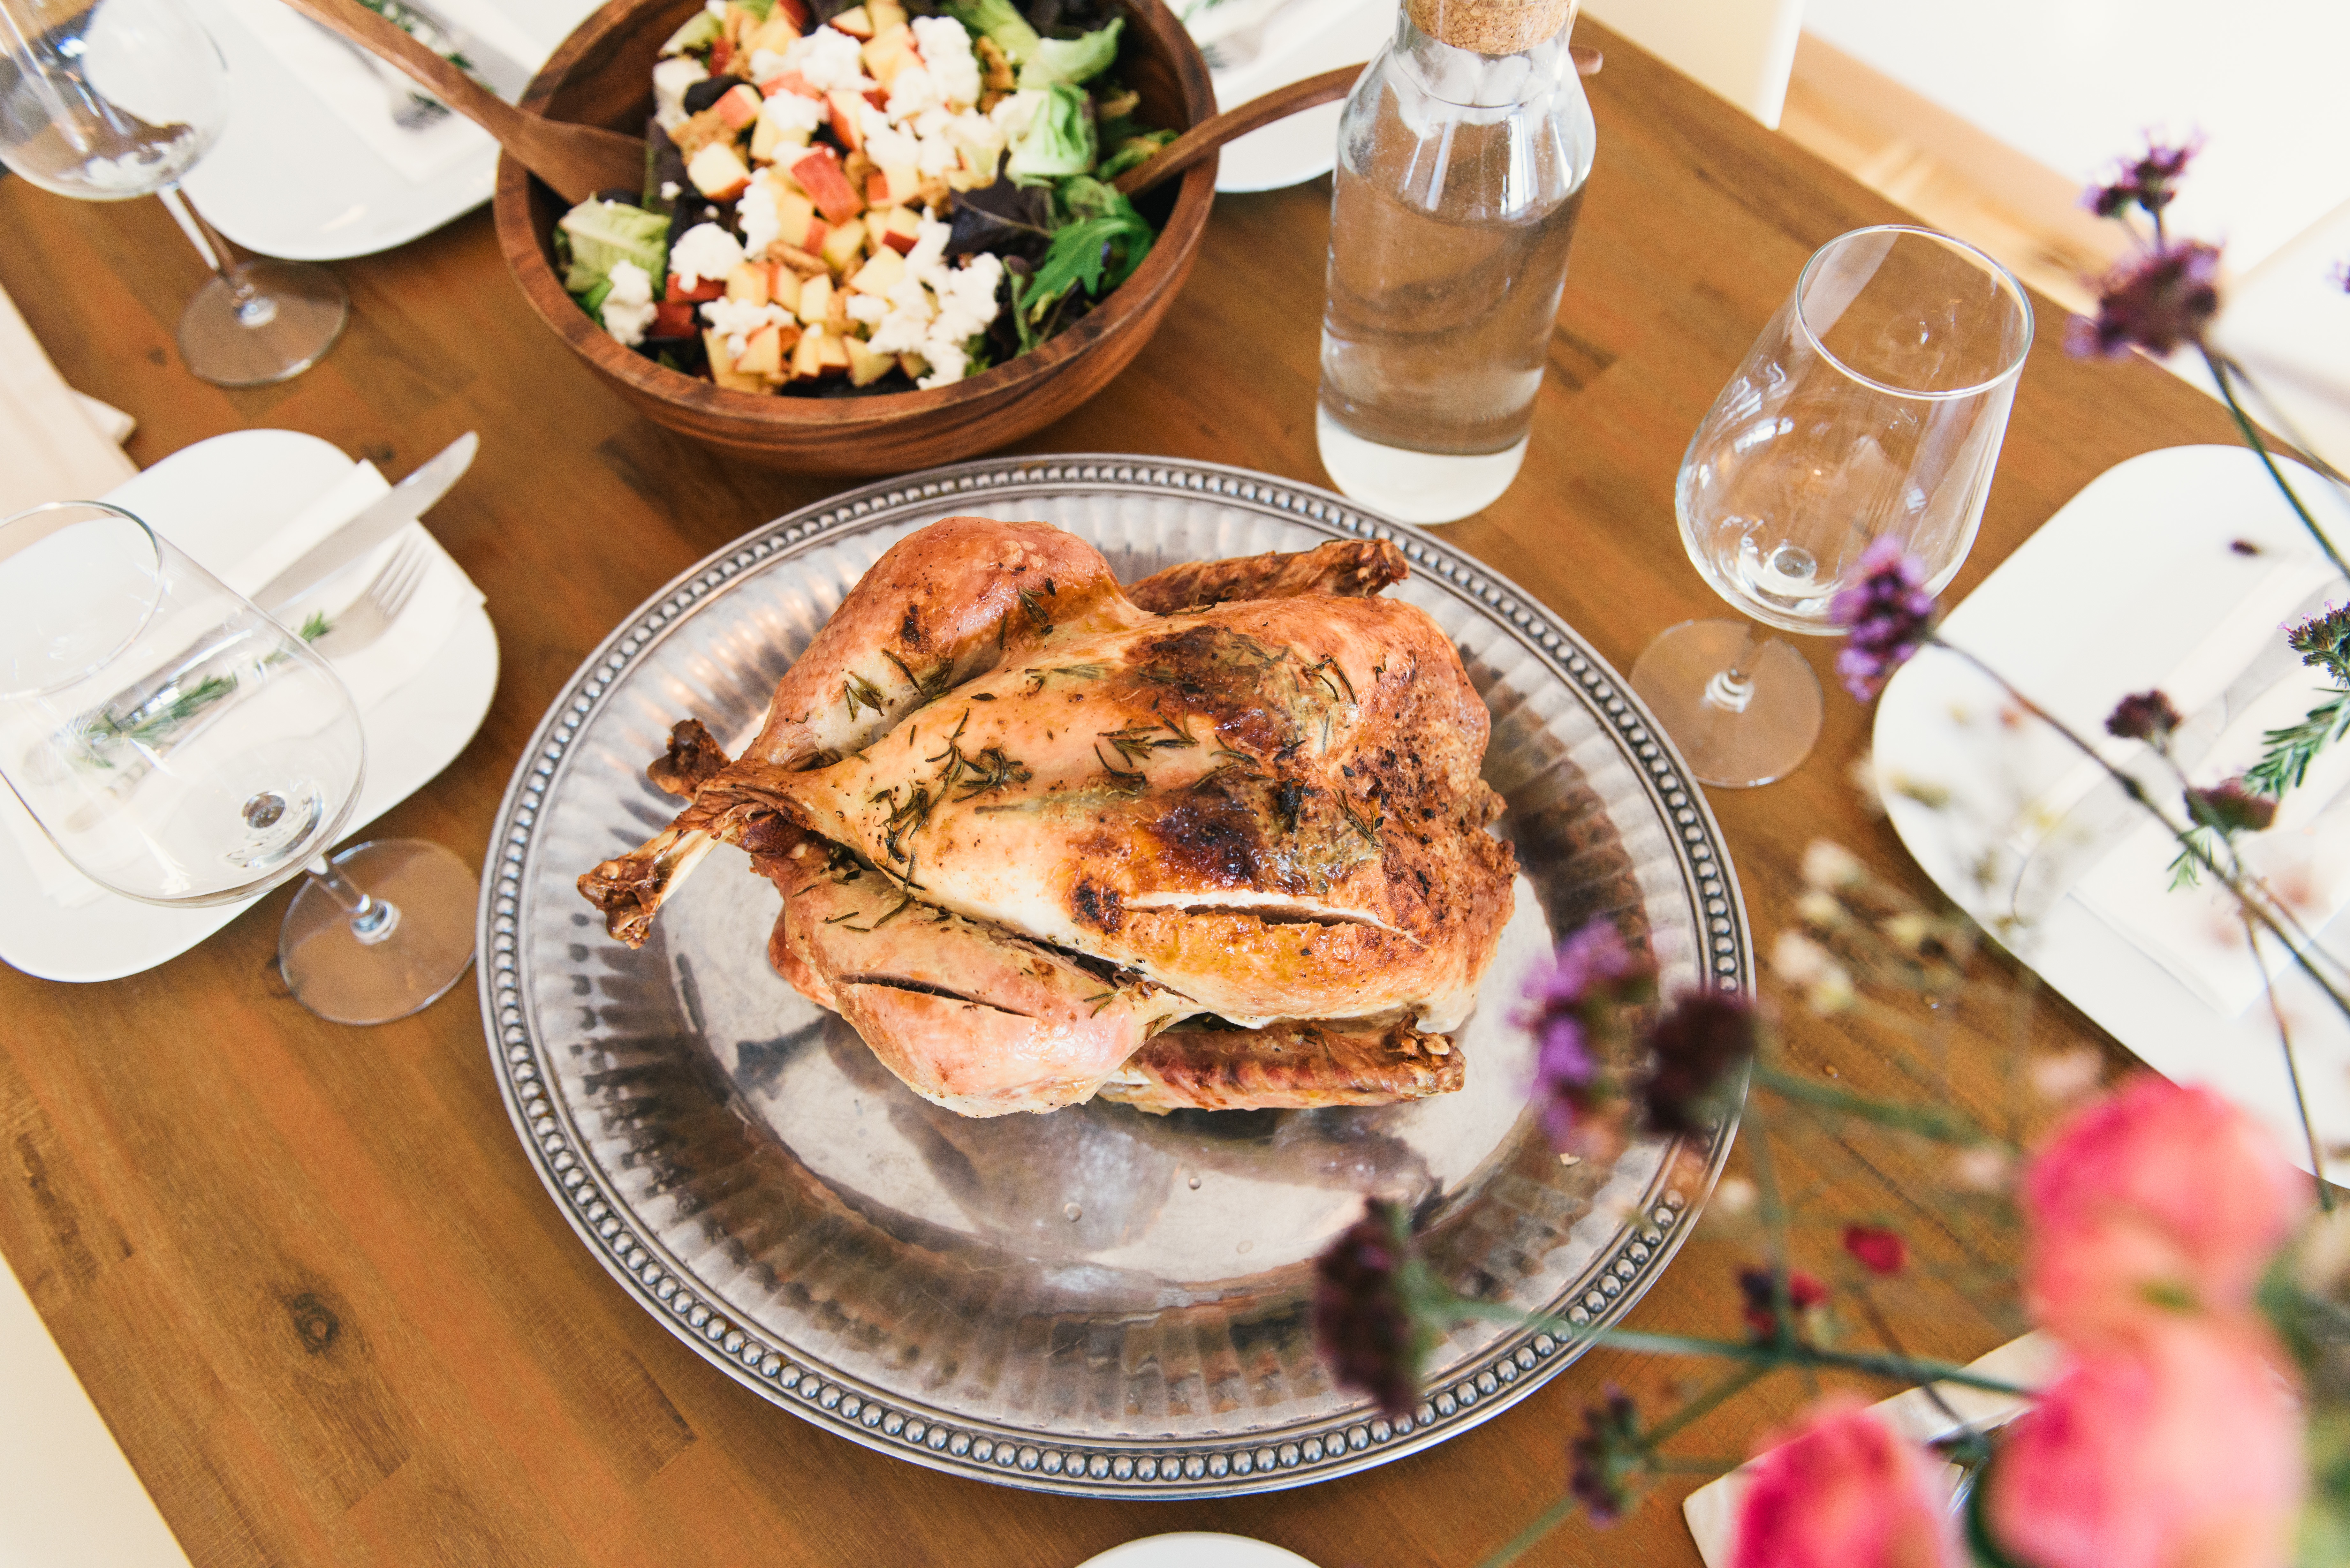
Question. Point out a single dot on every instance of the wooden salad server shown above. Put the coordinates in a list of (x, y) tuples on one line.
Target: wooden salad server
[(1262, 110), (575, 160)]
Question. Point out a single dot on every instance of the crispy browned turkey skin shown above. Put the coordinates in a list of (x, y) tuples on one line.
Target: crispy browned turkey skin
[(1026, 824)]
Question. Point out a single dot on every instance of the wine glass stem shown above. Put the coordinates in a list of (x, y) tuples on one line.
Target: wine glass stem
[(372, 920), (254, 309), (1732, 689)]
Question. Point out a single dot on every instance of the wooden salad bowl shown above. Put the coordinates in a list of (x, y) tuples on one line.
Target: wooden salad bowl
[(602, 75)]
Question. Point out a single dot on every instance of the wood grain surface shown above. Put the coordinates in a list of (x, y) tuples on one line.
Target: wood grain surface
[(305, 1271)]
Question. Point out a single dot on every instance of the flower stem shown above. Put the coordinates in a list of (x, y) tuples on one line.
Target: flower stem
[(2291, 1067), (1944, 1127), (1705, 1404), (2244, 426), (2183, 837), (1550, 1519)]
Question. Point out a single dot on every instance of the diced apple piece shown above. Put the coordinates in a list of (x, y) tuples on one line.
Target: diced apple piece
[(719, 173), (748, 284), (836, 315), (818, 172), (914, 365), (888, 52), (673, 319), (831, 351), (892, 185), (865, 367), (881, 275), (857, 22), (793, 82), (763, 354), (704, 288), (806, 354), (794, 213), (738, 106), (842, 246), (784, 286), (886, 15), (775, 34), (900, 229), (815, 299), (848, 123), (721, 365)]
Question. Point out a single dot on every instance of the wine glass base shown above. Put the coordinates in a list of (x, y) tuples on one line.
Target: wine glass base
[(295, 314), (341, 978), (1728, 742)]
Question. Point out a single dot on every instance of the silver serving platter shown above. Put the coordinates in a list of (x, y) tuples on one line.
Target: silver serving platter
[(1097, 1301)]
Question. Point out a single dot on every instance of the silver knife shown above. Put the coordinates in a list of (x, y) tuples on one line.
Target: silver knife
[(386, 515)]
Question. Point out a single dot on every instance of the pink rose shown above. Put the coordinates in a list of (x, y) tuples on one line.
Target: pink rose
[(1843, 1491), (2179, 1448), (2158, 1194)]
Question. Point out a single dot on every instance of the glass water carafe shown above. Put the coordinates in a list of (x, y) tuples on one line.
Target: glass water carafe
[(1462, 154)]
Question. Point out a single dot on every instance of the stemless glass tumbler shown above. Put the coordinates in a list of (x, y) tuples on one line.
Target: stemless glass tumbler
[(180, 747), (119, 98), (1873, 405)]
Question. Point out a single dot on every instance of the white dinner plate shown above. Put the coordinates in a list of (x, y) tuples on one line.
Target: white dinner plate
[(2126, 581), (1301, 39), (289, 178), (218, 499), (1195, 1549)]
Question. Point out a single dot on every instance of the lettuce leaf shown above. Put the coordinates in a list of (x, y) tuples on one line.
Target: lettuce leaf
[(600, 232), (1071, 60), (999, 20), (1059, 139)]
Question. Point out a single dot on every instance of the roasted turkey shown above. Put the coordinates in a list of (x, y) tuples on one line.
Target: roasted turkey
[(1217, 839)]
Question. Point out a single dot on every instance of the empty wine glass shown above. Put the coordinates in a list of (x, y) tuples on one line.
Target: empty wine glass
[(1872, 405), (110, 101), (180, 747)]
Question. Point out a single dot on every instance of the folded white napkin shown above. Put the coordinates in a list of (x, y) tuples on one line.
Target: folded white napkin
[(54, 444), (1713, 1510), (357, 95), (371, 673)]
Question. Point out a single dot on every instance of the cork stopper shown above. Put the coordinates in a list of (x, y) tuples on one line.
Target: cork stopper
[(1491, 26)]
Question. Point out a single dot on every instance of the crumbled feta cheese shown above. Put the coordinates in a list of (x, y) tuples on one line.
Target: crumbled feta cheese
[(766, 65), (967, 304), (715, 7), (886, 145), (865, 308), (945, 48), (738, 318), (703, 251), (672, 77), (669, 187), (936, 155), (933, 121), (628, 308), (927, 261), (827, 58), (911, 91), (795, 118), (757, 212), (948, 362)]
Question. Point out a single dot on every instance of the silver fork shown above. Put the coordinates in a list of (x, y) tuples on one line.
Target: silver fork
[(379, 603), (412, 107)]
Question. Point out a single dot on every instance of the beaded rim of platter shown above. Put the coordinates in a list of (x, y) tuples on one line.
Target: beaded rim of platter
[(1308, 1451)]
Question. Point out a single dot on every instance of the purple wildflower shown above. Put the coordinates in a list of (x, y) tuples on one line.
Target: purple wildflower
[(2230, 807), (1698, 1044), (1888, 616), (1607, 1454), (2149, 182), (2162, 299), (1363, 1324), (1806, 1297), (2146, 716), (1574, 1004), (2323, 640)]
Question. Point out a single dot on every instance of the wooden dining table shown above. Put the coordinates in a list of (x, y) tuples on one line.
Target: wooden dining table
[(307, 1275)]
